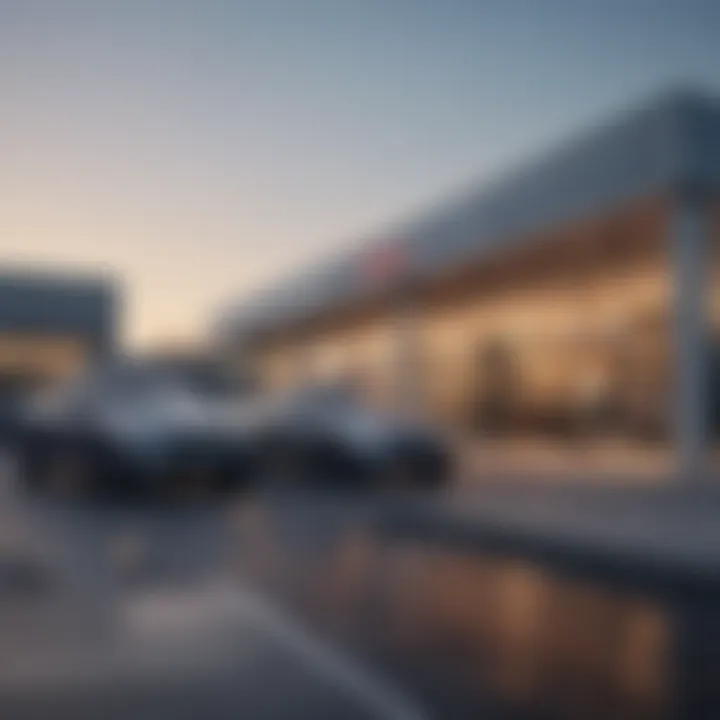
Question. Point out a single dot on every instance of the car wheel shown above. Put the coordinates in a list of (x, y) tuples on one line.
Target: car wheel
[(279, 463), (79, 469), (332, 465), (238, 473), (416, 473), (70, 472), (31, 459), (396, 475)]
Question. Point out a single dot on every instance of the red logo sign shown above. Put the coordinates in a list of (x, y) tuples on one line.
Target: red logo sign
[(385, 263)]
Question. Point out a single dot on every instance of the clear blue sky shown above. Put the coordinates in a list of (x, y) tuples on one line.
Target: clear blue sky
[(203, 148)]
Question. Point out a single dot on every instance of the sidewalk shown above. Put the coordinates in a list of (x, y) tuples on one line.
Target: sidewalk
[(660, 534), (612, 461)]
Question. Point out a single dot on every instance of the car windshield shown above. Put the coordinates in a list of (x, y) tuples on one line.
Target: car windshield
[(138, 380), (324, 397), (204, 380), (127, 382)]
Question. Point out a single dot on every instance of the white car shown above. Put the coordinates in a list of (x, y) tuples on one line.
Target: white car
[(131, 427), (327, 436)]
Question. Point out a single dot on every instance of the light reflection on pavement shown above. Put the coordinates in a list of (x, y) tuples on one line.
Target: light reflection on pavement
[(304, 606), (120, 612)]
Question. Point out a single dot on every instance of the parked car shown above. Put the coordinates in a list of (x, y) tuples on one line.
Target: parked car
[(131, 427), (328, 436)]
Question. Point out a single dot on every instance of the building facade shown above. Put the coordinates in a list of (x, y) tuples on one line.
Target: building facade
[(51, 326), (578, 295)]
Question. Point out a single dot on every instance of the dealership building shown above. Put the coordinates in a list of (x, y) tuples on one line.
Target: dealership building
[(580, 294), (52, 325)]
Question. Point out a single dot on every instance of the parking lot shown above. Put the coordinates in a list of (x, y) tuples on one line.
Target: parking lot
[(130, 612), (313, 605)]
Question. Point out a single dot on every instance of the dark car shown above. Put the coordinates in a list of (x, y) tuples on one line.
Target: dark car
[(129, 428), (328, 436)]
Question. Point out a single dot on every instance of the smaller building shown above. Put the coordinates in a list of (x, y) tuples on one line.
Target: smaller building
[(52, 325)]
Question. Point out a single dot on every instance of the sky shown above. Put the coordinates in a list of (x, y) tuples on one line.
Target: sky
[(202, 150)]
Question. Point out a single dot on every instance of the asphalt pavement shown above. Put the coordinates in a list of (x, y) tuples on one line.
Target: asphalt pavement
[(131, 612), (308, 605)]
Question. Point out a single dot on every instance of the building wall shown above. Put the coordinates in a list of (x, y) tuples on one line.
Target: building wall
[(715, 324), (582, 313), (51, 326), (361, 350), (561, 310), (715, 268), (49, 356)]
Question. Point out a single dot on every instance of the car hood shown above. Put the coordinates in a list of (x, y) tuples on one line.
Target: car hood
[(165, 418)]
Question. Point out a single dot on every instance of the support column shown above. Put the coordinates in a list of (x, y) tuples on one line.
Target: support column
[(305, 372), (690, 254), (408, 382)]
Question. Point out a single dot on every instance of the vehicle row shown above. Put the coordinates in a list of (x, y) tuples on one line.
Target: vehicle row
[(131, 429)]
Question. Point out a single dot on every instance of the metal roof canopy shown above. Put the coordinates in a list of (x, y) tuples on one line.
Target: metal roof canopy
[(667, 144)]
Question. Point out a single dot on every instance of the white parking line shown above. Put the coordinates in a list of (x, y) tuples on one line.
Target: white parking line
[(369, 690)]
